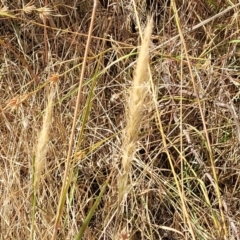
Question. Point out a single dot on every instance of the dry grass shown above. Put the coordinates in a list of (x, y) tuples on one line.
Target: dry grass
[(156, 158)]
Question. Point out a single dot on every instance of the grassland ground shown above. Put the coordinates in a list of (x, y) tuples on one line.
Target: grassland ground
[(128, 131)]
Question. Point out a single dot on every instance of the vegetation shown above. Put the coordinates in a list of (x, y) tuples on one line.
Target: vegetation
[(120, 120)]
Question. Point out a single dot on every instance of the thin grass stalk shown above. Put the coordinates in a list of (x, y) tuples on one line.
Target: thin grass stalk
[(181, 133), (66, 180), (134, 114), (84, 120), (92, 210), (195, 27), (45, 35), (223, 220), (137, 19), (164, 141)]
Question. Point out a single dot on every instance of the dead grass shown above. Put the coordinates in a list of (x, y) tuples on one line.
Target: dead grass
[(183, 167)]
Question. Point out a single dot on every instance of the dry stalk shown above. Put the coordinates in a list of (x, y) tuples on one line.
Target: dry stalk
[(134, 111), (67, 171)]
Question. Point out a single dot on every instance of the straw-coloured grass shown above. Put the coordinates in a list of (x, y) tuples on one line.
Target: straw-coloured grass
[(134, 111), (148, 148), (39, 160)]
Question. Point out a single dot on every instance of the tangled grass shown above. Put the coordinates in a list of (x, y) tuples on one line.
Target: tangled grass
[(116, 127)]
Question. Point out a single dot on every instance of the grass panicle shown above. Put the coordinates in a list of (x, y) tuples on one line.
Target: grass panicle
[(39, 162), (134, 111)]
